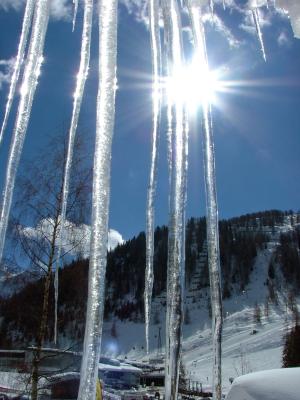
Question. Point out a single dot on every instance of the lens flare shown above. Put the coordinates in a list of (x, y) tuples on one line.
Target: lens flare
[(193, 85)]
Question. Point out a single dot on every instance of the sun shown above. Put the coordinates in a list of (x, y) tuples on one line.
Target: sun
[(194, 85)]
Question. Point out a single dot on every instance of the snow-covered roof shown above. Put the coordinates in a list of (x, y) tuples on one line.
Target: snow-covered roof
[(121, 367), (274, 384), (57, 351), (64, 376), (12, 352)]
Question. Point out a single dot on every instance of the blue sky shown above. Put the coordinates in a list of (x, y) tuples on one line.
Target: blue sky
[(256, 121)]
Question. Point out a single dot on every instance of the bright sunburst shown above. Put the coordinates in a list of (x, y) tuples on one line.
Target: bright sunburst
[(193, 85)]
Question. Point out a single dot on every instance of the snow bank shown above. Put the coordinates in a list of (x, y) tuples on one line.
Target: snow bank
[(14, 381), (275, 384)]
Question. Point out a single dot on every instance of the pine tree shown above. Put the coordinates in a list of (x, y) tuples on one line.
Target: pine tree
[(271, 270), (183, 380), (267, 307), (113, 331), (187, 317), (291, 350), (257, 314)]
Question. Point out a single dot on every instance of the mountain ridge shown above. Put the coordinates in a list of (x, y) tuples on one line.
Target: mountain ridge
[(269, 238)]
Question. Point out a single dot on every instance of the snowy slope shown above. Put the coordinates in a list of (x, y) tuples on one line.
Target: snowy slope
[(248, 346), (243, 351)]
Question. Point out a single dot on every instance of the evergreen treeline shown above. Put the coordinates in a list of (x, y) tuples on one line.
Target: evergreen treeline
[(291, 349), (125, 276), (288, 256)]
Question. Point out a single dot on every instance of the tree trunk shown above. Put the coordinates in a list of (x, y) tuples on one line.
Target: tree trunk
[(43, 326)]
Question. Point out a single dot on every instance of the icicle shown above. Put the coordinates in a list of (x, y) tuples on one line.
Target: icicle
[(156, 95), (30, 79), (169, 108), (211, 5), (75, 2), (100, 203), (184, 185), (176, 237), (224, 4), (258, 31), (80, 84), (169, 140), (19, 61), (211, 204)]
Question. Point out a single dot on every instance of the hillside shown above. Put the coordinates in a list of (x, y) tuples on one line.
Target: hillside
[(261, 277)]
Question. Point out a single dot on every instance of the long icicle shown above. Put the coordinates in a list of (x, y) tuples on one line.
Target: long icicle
[(156, 96), (211, 202), (80, 84), (101, 192), (259, 32), (75, 2), (18, 62), (30, 80), (176, 214)]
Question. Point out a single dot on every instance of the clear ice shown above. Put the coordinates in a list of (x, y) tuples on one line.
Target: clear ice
[(18, 62), (80, 84), (177, 158), (29, 83), (101, 192), (154, 13), (211, 204), (175, 276), (75, 2)]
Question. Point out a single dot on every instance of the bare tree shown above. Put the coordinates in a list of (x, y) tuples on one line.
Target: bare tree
[(36, 221)]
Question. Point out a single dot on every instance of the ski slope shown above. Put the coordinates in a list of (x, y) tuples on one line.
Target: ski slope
[(248, 346)]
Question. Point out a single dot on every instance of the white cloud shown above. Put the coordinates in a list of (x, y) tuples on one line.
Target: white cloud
[(220, 26), (6, 70), (137, 8), (248, 26), (76, 239), (257, 3), (8, 4), (229, 4), (114, 238), (283, 39), (292, 7), (60, 9)]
